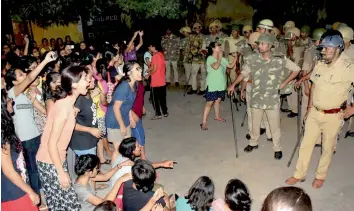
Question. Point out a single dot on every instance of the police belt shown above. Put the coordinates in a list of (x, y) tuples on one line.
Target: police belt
[(333, 110)]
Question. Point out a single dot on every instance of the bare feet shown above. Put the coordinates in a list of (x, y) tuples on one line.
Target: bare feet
[(293, 181), (219, 119), (317, 183)]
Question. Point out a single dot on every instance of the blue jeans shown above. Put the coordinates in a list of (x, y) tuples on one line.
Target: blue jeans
[(139, 133), (30, 148), (91, 151)]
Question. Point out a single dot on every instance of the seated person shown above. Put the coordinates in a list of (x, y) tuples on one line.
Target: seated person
[(287, 198), (199, 198), (87, 170), (237, 198), (138, 194), (130, 150)]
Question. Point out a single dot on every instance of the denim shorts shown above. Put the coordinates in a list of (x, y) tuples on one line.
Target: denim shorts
[(91, 151), (139, 133)]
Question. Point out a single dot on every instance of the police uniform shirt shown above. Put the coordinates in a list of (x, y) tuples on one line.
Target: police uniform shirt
[(332, 83)]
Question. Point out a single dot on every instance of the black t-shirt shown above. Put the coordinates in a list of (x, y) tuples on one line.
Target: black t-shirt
[(86, 117), (9, 191), (134, 200)]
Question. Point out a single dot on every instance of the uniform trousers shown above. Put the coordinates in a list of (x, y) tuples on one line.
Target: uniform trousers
[(188, 69), (273, 117), (195, 69), (264, 124), (292, 102), (168, 71), (318, 122)]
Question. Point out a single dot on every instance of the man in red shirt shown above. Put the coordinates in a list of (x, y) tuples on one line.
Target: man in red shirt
[(157, 72)]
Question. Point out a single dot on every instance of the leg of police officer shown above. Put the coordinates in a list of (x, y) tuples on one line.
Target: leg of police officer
[(168, 71), (273, 117), (202, 76), (257, 115), (175, 71), (292, 102), (312, 134), (233, 74), (330, 125), (194, 73), (187, 69), (265, 125)]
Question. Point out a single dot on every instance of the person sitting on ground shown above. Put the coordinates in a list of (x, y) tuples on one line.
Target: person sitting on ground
[(130, 150), (287, 198), (138, 193), (237, 198), (199, 198), (106, 206), (87, 169)]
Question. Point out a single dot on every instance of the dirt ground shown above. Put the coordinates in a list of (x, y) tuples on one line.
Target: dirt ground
[(212, 153)]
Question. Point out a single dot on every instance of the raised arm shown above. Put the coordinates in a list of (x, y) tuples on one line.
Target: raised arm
[(141, 33)]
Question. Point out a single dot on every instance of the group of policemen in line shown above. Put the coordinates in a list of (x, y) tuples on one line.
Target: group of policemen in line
[(272, 64)]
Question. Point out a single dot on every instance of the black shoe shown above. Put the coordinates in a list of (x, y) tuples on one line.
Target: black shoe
[(262, 131), (166, 115), (250, 148), (167, 84), (176, 84), (278, 155), (201, 93), (191, 92), (318, 145), (269, 139), (285, 110), (248, 136), (292, 115)]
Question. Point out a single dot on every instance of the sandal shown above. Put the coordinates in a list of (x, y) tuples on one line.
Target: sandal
[(107, 162), (220, 119), (156, 117), (203, 127)]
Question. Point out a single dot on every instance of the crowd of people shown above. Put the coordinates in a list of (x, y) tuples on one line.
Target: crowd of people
[(68, 109)]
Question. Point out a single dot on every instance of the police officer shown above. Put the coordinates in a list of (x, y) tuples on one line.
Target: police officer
[(288, 25), (266, 72), (311, 57), (185, 50), (348, 35), (231, 43), (170, 45), (247, 87), (265, 26), (331, 79), (197, 44)]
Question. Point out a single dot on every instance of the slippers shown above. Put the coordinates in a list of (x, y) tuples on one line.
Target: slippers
[(203, 127), (107, 162), (220, 119), (156, 117)]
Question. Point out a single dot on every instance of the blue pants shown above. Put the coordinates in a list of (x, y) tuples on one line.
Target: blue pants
[(30, 148), (91, 151), (139, 133)]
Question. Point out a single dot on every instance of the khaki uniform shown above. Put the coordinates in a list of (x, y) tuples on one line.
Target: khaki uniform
[(233, 49), (331, 82), (267, 75), (299, 48), (264, 124), (197, 44), (171, 47), (184, 46)]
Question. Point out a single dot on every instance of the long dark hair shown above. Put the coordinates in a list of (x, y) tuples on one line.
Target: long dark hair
[(127, 147), (70, 75), (51, 77), (201, 194), (86, 163), (292, 198), (8, 135), (210, 48), (128, 66), (10, 76), (237, 196)]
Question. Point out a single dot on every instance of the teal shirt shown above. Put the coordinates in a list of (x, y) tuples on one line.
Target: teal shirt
[(182, 205), (216, 79)]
